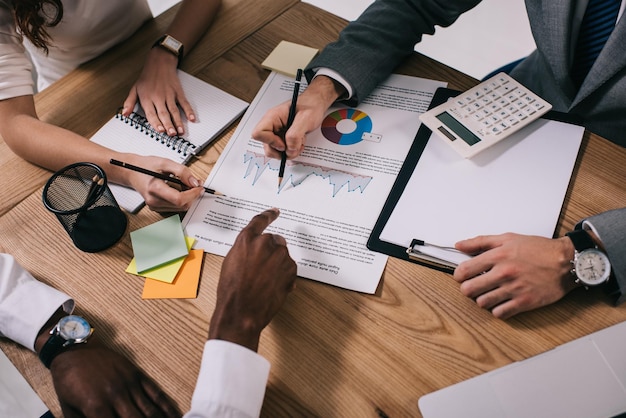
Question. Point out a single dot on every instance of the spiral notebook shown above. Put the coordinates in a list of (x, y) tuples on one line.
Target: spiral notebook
[(215, 110)]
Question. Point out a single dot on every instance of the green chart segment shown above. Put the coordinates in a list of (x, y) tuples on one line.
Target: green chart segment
[(363, 124)]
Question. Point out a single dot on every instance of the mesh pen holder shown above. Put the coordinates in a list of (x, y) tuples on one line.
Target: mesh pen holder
[(81, 200)]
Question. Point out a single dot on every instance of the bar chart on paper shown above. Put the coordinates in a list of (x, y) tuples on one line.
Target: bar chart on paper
[(296, 173)]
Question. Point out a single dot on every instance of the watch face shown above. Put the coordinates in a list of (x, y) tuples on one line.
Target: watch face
[(74, 327), (172, 44), (592, 267)]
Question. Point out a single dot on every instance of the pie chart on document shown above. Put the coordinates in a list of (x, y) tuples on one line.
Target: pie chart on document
[(348, 127)]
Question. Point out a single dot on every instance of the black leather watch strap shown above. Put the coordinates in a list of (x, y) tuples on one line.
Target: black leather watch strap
[(581, 240), (51, 349), (179, 55)]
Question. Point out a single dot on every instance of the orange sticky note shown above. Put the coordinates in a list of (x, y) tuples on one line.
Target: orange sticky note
[(185, 284)]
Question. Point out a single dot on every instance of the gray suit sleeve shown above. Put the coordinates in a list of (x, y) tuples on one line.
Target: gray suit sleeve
[(369, 48), (611, 229)]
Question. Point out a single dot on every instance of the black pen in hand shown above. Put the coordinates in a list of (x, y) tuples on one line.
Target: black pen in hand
[(161, 176), (292, 115)]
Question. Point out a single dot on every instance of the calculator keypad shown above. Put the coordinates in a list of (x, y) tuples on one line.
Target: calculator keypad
[(495, 106), (485, 114)]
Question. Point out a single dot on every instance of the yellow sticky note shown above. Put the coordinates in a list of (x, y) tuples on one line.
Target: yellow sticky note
[(184, 286), (165, 273), (287, 57)]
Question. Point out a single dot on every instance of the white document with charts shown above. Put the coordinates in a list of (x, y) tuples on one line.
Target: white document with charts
[(331, 195)]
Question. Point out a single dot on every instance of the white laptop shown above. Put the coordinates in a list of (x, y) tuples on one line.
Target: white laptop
[(584, 378), (17, 397)]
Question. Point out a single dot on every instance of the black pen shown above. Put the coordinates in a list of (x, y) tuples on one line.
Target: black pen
[(166, 177), (292, 115)]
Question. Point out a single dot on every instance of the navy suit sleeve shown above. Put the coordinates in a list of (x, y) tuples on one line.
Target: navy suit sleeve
[(372, 46)]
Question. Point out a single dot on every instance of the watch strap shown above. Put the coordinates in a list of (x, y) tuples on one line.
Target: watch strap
[(51, 348), (178, 54), (581, 240)]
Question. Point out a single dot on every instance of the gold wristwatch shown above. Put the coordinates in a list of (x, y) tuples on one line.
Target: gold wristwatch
[(172, 45)]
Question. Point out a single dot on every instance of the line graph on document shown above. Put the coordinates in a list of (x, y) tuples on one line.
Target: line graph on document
[(296, 172)]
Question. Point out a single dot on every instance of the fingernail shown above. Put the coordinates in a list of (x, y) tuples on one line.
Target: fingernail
[(172, 131), (181, 130), (160, 128), (192, 117), (194, 182)]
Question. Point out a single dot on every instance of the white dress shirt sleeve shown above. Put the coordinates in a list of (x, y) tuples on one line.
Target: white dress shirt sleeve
[(231, 382), (26, 304), (589, 225), (338, 78)]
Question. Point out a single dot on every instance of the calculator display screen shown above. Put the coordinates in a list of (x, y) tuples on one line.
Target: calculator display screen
[(458, 128)]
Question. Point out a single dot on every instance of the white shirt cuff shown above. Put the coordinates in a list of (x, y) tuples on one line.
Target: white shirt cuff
[(589, 225), (231, 382), (26, 304), (337, 77)]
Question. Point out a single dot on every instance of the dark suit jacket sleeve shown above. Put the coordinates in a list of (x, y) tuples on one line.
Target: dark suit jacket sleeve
[(611, 228), (369, 48)]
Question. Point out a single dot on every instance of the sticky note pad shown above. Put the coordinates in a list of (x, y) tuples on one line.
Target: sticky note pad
[(159, 243), (184, 286), (287, 57), (166, 272)]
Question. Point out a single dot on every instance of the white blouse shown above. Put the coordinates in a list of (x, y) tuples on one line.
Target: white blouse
[(88, 28)]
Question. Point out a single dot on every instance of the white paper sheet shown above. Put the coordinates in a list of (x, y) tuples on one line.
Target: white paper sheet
[(330, 196)]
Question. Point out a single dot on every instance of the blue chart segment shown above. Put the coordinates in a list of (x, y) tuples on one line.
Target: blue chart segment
[(297, 172), (362, 123)]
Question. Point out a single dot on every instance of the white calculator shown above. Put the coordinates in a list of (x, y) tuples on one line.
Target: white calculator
[(485, 114)]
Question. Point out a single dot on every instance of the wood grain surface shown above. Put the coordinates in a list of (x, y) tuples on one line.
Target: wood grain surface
[(334, 353)]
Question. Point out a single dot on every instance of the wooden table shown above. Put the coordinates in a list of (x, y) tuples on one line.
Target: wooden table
[(334, 353)]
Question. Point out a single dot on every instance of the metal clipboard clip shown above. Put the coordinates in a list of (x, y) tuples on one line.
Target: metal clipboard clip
[(416, 252)]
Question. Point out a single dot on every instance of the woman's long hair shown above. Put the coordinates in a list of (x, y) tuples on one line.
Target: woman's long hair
[(32, 17)]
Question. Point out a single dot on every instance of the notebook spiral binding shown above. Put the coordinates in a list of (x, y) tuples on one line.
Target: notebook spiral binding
[(177, 143)]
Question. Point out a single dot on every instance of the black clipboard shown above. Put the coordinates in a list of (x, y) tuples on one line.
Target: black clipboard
[(374, 242)]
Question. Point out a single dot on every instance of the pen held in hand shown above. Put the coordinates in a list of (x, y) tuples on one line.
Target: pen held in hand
[(292, 115), (162, 176)]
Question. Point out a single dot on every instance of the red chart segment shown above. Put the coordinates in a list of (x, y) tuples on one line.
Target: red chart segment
[(361, 123)]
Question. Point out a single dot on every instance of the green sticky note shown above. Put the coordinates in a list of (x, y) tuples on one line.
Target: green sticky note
[(166, 272), (159, 243)]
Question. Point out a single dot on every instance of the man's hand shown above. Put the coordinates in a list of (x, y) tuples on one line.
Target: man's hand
[(310, 109), (257, 274), (514, 273), (94, 381)]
